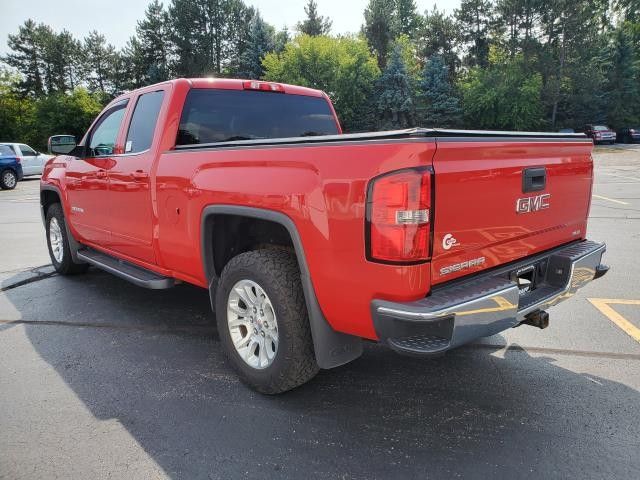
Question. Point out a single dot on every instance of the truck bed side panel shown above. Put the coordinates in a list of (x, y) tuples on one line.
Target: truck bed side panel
[(322, 188)]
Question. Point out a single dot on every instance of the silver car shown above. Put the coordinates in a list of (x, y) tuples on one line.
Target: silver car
[(32, 161)]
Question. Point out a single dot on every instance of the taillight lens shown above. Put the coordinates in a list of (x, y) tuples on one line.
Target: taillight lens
[(399, 211)]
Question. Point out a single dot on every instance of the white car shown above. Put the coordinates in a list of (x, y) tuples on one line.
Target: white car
[(32, 161)]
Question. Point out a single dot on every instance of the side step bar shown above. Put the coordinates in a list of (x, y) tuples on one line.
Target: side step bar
[(137, 275)]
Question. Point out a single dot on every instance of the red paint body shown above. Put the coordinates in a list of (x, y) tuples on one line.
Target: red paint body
[(147, 208)]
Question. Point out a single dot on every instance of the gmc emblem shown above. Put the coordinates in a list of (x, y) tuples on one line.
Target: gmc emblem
[(533, 204)]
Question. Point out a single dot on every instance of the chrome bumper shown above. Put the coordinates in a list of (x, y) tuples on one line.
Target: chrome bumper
[(486, 304)]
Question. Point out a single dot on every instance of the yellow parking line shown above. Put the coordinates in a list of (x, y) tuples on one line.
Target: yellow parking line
[(604, 305), (610, 199)]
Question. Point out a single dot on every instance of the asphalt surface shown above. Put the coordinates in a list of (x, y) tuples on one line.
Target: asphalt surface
[(102, 379)]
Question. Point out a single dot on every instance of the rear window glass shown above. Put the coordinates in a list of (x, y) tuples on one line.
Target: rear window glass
[(6, 150), (143, 122), (211, 116)]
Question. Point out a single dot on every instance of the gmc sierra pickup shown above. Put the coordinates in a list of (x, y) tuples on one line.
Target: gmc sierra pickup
[(309, 240)]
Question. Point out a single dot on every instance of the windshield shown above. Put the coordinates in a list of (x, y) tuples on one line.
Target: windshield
[(600, 128), (211, 116)]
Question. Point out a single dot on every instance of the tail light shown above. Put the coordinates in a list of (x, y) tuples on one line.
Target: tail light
[(398, 217), (19, 159)]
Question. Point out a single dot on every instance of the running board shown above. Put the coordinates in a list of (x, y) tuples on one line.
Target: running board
[(137, 275)]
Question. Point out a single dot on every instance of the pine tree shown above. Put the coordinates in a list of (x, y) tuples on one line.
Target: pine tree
[(68, 61), (396, 107), (475, 18), (280, 40), (99, 57), (439, 35), (152, 33), (260, 43), (315, 24), (439, 107), (208, 35), (623, 86), (378, 28), (27, 58), (136, 64), (407, 19)]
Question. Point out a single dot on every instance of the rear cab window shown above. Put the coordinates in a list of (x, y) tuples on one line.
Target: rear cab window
[(143, 122), (211, 116)]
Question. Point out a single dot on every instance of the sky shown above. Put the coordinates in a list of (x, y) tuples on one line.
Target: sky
[(116, 19)]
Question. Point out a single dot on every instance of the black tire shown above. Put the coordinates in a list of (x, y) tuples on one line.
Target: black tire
[(277, 273), (66, 266), (8, 179)]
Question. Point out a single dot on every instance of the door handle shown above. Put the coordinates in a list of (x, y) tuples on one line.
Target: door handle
[(101, 174), (534, 179), (139, 175)]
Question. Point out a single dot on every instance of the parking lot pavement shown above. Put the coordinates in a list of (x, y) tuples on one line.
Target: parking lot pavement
[(21, 228), (99, 378)]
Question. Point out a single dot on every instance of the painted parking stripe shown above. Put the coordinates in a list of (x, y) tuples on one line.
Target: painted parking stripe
[(604, 305), (610, 199)]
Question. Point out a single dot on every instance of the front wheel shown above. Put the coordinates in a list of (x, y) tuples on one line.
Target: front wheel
[(263, 322), (58, 243), (8, 180)]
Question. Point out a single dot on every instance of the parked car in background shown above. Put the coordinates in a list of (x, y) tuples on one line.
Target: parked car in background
[(629, 135), (31, 160), (600, 133), (10, 168)]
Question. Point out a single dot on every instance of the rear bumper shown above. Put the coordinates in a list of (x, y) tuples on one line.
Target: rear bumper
[(486, 304)]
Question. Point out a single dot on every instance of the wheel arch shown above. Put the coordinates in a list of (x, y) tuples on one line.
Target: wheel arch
[(332, 348), (49, 195)]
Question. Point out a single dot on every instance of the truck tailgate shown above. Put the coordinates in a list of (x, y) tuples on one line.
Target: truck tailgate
[(502, 199)]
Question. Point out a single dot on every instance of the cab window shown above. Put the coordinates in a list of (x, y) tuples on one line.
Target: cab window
[(105, 133), (143, 122)]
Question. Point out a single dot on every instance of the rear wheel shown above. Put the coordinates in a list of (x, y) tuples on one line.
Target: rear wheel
[(8, 180), (263, 322), (58, 243)]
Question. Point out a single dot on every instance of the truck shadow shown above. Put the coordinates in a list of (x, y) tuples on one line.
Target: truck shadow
[(152, 360)]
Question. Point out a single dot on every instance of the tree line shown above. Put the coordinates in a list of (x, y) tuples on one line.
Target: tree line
[(491, 64)]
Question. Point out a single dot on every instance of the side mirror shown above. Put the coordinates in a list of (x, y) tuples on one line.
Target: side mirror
[(61, 144)]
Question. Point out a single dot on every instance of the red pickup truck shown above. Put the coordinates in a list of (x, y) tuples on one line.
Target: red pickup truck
[(311, 241)]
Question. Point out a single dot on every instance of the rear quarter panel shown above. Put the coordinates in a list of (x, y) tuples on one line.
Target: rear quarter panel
[(322, 188)]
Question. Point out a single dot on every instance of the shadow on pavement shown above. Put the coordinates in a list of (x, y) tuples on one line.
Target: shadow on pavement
[(152, 360)]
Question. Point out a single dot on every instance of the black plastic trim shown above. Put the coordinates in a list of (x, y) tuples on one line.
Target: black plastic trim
[(332, 349), (135, 274), (530, 179), (414, 135)]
